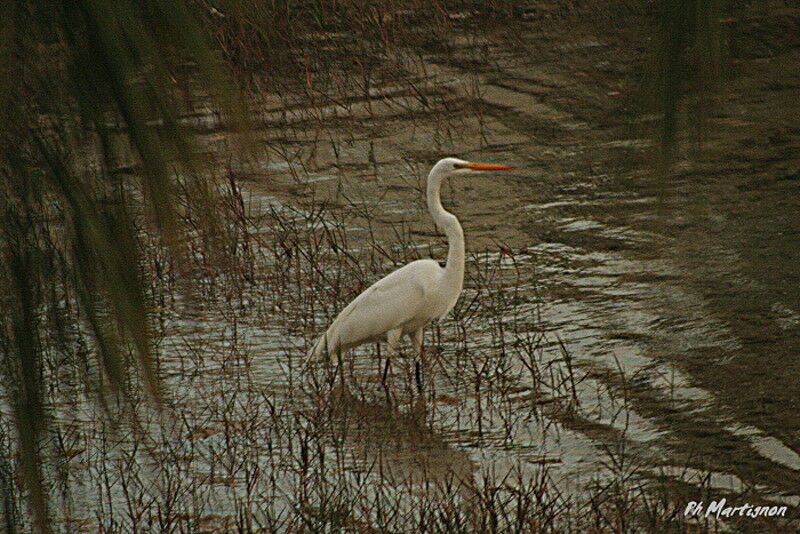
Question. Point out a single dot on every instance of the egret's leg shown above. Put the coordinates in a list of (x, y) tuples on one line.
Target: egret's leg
[(338, 364), (392, 337), (333, 353), (385, 371), (419, 356)]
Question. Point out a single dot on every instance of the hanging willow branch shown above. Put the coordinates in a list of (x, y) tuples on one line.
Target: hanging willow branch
[(76, 78)]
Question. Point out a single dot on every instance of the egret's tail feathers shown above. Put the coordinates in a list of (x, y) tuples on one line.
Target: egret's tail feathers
[(320, 349), (316, 350)]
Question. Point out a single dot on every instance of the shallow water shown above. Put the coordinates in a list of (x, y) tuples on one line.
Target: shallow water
[(662, 314), (678, 294)]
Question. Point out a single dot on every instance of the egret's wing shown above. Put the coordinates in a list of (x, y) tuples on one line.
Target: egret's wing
[(386, 305)]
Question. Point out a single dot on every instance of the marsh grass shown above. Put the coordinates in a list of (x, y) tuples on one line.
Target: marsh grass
[(247, 439), (250, 440), (314, 41)]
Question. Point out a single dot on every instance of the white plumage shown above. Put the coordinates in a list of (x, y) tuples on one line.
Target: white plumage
[(404, 301)]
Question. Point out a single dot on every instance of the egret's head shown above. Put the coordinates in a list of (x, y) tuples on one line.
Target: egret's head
[(455, 166)]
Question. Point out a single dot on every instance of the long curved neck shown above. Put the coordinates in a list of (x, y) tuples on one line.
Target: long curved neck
[(447, 223)]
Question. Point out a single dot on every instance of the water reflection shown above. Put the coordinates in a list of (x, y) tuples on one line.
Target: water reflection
[(401, 446)]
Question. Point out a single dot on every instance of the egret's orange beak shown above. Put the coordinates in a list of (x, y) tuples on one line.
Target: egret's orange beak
[(485, 166)]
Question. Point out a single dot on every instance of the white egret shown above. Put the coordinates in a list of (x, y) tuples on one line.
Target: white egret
[(404, 301)]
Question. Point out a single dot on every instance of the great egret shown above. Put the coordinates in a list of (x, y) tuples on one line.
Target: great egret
[(404, 301)]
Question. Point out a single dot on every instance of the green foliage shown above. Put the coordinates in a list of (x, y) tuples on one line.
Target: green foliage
[(91, 90), (84, 85)]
